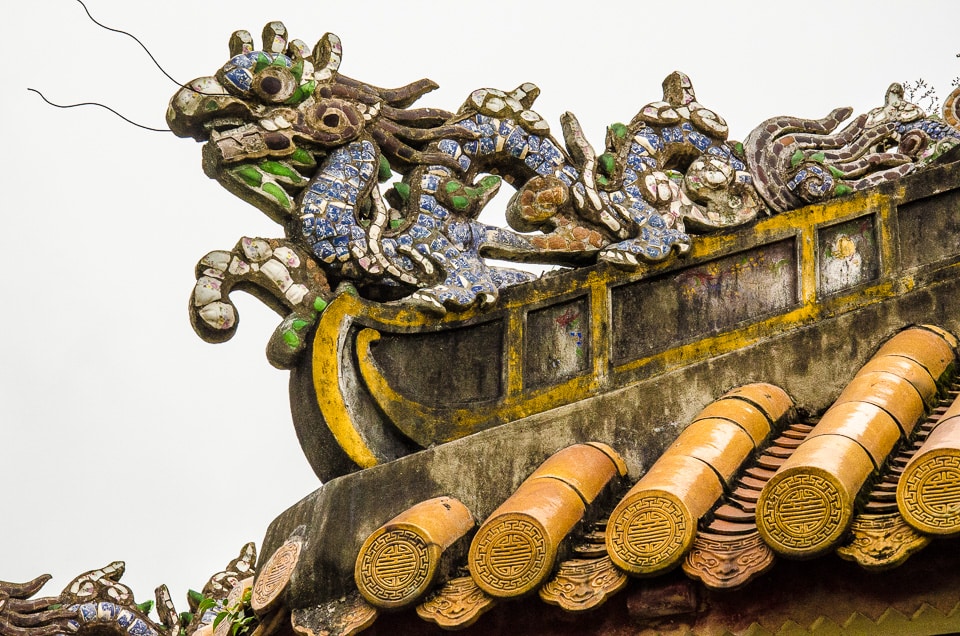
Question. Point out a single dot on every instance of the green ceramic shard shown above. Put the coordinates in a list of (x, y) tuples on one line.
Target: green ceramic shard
[(403, 190), (619, 130), (211, 105), (277, 193), (262, 62), (489, 182), (296, 97), (384, 172), (796, 159), (302, 157), (194, 596), (277, 168), (292, 339), (250, 175), (819, 157), (394, 224), (319, 304), (299, 323), (452, 186), (301, 93), (608, 163), (460, 202), (837, 174), (842, 190), (145, 607), (297, 70)]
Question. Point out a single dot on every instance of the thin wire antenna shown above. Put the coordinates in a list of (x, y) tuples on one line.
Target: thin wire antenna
[(137, 40), (129, 121)]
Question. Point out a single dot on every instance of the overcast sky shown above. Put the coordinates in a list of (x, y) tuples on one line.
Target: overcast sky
[(122, 434)]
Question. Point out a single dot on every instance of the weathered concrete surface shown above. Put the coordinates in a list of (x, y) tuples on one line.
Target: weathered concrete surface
[(812, 364)]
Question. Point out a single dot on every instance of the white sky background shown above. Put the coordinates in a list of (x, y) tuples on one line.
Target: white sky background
[(122, 434)]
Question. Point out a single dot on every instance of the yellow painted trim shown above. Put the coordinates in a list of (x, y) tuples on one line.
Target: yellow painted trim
[(332, 329), (514, 334), (600, 340)]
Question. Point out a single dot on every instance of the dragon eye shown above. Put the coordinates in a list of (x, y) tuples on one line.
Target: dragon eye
[(274, 84), (271, 85), (333, 121)]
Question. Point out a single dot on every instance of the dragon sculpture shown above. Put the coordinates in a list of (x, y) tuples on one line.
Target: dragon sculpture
[(287, 132)]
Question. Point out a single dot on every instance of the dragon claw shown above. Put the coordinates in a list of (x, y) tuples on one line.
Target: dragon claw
[(427, 301), (619, 258)]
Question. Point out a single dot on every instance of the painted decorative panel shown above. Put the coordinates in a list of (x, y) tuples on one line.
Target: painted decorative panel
[(471, 370), (930, 230), (649, 316), (557, 343), (849, 255)]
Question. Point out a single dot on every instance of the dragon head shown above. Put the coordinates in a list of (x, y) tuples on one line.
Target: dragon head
[(260, 86), (269, 116)]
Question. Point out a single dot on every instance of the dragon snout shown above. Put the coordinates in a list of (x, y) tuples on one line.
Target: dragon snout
[(199, 102)]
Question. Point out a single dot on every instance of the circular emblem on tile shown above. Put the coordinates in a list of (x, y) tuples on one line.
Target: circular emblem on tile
[(801, 514), (274, 576), (509, 556), (929, 494), (395, 567), (648, 532)]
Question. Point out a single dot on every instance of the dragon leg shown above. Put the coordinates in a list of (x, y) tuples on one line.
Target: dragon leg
[(278, 272)]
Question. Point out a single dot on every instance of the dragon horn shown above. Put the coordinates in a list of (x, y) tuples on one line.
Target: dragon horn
[(240, 42), (678, 89), (274, 37), (894, 94), (326, 57), (298, 48)]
